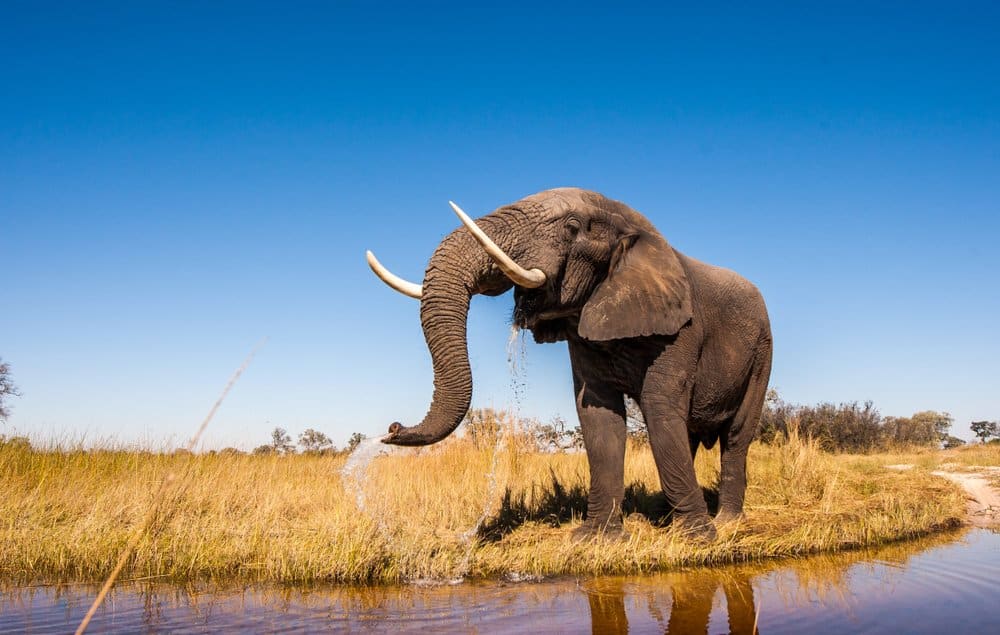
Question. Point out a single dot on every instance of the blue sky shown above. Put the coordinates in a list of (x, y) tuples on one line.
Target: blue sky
[(177, 182)]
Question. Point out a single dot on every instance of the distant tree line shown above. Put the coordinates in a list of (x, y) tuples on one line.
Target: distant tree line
[(854, 426), (311, 442), (845, 427), (484, 426)]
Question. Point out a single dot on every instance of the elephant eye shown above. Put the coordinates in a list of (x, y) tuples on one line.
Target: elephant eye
[(573, 226)]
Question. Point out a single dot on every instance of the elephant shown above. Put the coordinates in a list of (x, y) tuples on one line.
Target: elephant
[(692, 596), (688, 341)]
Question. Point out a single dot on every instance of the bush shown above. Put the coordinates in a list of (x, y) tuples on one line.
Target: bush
[(851, 427), (315, 442), (485, 426)]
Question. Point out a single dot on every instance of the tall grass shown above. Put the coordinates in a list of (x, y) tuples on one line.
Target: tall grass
[(68, 513)]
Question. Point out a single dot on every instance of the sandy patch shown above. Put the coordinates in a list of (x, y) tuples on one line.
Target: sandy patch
[(984, 499)]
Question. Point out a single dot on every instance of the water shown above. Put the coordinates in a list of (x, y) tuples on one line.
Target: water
[(355, 470), (517, 354), (354, 475), (933, 586)]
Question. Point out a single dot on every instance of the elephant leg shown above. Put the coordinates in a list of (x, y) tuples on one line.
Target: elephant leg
[(691, 607), (665, 401), (735, 443), (601, 410), (740, 605), (733, 480)]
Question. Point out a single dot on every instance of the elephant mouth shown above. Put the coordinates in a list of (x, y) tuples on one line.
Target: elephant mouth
[(527, 316), (556, 314)]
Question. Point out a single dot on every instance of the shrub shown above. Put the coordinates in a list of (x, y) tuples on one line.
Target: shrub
[(852, 426), (315, 442)]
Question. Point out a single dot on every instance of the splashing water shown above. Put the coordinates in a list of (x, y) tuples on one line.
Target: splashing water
[(354, 474), (355, 470), (516, 356), (491, 493)]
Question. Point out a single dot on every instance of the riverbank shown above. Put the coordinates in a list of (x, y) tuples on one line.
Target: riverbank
[(976, 469), (68, 514)]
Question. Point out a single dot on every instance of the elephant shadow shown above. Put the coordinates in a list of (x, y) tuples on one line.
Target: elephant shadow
[(690, 608), (556, 504)]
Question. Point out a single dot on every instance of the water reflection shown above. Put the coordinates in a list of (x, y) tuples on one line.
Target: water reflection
[(930, 586), (692, 599), (693, 603)]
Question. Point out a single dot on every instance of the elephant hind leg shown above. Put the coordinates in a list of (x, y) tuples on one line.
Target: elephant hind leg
[(736, 440)]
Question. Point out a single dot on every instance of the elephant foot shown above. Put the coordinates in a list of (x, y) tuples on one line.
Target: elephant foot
[(726, 517), (594, 531), (696, 527)]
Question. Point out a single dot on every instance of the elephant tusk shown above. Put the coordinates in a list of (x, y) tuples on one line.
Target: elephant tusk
[(529, 278), (394, 281)]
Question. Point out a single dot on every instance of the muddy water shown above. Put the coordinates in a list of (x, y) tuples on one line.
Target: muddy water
[(943, 585)]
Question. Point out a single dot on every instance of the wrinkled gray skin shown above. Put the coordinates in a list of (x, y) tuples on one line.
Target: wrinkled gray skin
[(691, 343)]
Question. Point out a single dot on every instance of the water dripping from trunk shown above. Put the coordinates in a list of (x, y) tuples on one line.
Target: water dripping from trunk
[(516, 358)]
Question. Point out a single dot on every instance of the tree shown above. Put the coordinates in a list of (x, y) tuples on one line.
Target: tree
[(355, 441), (938, 422), (315, 442), (554, 435), (774, 417), (909, 430), (985, 429), (281, 443), (847, 427), (7, 389)]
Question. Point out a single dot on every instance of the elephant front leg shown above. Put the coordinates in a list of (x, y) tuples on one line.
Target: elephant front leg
[(665, 408), (601, 410)]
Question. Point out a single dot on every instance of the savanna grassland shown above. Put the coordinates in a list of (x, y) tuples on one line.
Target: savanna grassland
[(293, 518)]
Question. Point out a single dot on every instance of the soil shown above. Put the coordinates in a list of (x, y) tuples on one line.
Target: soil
[(984, 498)]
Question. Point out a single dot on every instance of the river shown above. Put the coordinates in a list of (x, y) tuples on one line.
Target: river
[(945, 584)]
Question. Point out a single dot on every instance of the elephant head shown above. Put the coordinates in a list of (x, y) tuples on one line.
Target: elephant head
[(582, 265)]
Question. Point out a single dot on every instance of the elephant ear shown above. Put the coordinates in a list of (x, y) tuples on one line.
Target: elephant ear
[(646, 292)]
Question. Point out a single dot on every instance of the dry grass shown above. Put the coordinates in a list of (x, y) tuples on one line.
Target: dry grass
[(68, 514), (965, 457)]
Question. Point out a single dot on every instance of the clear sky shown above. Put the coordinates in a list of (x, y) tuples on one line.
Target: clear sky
[(177, 182)]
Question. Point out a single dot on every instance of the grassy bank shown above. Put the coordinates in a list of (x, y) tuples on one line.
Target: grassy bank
[(290, 519)]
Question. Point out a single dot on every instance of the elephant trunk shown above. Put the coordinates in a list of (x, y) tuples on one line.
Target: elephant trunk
[(458, 270)]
